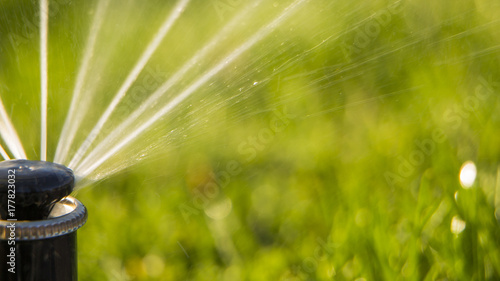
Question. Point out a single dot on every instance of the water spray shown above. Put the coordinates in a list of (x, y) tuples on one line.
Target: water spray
[(38, 222)]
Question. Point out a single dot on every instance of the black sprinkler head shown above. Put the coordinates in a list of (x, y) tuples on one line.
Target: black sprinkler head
[(38, 221), (37, 186)]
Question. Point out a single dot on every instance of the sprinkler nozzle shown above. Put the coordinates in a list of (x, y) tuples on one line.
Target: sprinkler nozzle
[(35, 187)]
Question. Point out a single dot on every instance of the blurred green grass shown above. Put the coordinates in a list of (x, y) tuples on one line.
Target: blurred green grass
[(344, 189)]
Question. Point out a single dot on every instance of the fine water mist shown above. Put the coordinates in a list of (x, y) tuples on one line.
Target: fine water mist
[(136, 66), (131, 112), (264, 140)]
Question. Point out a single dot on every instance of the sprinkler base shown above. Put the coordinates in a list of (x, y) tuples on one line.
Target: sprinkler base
[(42, 250)]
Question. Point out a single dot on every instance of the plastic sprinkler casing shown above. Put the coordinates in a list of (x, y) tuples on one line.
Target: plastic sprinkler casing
[(38, 221)]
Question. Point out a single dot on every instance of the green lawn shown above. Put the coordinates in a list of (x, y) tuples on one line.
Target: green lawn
[(329, 150)]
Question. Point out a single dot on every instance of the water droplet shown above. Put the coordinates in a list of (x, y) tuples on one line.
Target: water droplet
[(457, 225), (468, 174), (255, 83), (219, 210)]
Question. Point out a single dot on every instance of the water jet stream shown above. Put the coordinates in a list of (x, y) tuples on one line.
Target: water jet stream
[(9, 135), (75, 116), (153, 45), (200, 55), (44, 25), (85, 168), (4, 153)]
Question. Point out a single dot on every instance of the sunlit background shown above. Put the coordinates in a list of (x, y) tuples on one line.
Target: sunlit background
[(323, 140)]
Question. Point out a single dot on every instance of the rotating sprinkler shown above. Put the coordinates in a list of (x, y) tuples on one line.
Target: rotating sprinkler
[(38, 222)]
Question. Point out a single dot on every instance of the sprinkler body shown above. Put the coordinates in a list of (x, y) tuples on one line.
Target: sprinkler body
[(38, 221)]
